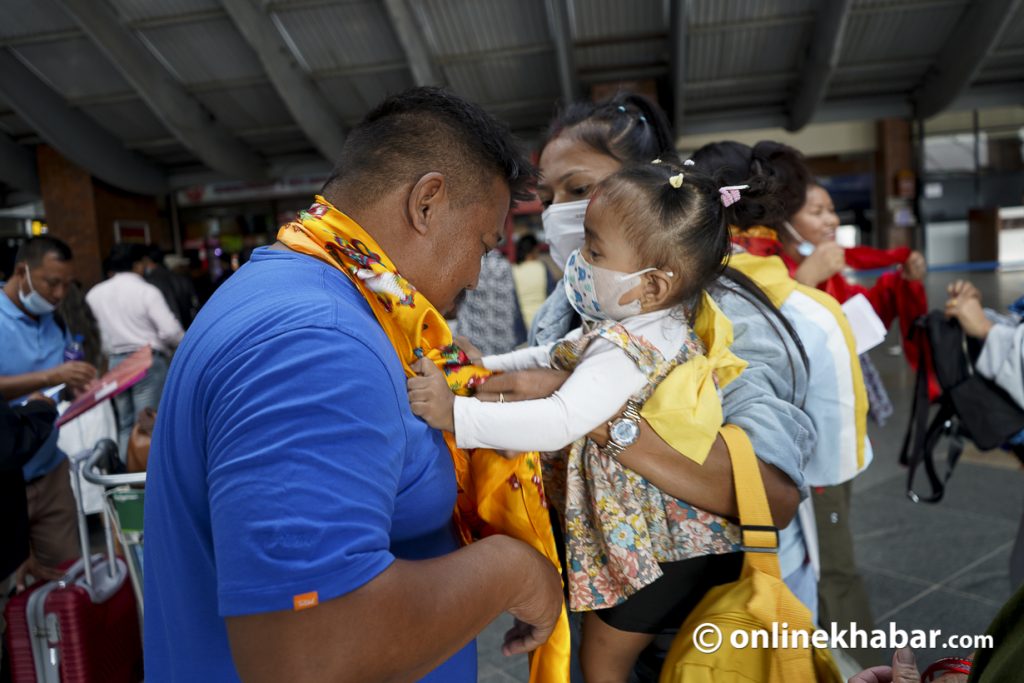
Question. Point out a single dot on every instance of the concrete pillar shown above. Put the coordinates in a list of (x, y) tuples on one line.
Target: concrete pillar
[(83, 211), (895, 184)]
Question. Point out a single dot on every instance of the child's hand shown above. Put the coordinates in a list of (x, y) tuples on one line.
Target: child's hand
[(469, 348), (430, 397)]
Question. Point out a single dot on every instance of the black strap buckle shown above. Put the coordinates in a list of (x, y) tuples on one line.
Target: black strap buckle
[(753, 527)]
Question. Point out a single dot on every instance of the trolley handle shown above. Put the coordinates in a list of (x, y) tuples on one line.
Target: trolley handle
[(103, 449)]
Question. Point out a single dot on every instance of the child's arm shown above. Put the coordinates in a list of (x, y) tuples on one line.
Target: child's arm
[(592, 395), (521, 359)]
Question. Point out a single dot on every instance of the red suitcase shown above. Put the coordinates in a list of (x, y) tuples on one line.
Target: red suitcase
[(82, 628)]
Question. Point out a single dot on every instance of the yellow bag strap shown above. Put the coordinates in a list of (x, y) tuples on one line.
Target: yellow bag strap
[(760, 536)]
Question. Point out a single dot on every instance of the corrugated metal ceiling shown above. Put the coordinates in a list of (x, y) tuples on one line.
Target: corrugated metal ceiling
[(743, 58)]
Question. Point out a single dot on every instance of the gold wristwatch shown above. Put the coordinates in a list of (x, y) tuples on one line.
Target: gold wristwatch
[(623, 431)]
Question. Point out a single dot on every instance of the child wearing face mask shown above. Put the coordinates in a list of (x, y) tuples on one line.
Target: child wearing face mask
[(655, 238)]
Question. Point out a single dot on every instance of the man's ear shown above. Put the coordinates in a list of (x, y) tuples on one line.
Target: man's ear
[(658, 286), (426, 199)]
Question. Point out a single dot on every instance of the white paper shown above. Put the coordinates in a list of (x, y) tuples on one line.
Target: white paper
[(868, 329)]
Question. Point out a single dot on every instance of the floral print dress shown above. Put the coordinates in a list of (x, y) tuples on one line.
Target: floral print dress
[(618, 526)]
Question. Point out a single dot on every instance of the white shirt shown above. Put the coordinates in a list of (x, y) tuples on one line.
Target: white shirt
[(594, 393), (133, 313)]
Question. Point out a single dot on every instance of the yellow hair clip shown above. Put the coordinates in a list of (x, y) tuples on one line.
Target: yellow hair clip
[(676, 181)]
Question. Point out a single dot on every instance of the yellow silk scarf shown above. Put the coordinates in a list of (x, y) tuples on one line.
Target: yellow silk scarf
[(496, 495), (685, 410), (771, 275)]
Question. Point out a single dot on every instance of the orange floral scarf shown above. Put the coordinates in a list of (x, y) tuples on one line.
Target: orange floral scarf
[(496, 495)]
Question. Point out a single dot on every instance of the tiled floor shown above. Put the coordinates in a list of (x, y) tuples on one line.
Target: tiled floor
[(941, 566)]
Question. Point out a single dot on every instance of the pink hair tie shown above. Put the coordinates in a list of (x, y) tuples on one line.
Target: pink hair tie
[(731, 194)]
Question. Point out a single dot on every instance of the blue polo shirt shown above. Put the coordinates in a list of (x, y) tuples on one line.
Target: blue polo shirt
[(286, 467), (28, 345)]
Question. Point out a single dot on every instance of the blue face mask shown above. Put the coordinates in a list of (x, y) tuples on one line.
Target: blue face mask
[(595, 292), (34, 302)]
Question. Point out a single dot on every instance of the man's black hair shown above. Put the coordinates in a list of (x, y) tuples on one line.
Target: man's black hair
[(124, 256), (429, 129), (155, 254), (33, 251)]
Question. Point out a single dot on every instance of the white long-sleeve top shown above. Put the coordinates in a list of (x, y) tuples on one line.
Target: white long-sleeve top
[(594, 393), (133, 313)]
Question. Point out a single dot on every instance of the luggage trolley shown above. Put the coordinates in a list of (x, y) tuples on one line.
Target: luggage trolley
[(124, 498), (86, 625)]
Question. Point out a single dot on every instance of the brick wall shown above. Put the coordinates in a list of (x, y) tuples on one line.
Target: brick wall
[(82, 210)]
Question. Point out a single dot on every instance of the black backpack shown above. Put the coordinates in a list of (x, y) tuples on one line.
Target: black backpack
[(971, 407)]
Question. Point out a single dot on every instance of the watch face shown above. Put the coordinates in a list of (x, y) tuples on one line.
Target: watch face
[(624, 432)]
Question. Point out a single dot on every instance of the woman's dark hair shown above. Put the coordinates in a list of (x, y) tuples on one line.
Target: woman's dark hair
[(123, 257), (780, 165), (525, 246), (627, 127), (75, 317)]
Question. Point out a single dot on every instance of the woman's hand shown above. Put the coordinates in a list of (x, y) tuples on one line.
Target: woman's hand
[(903, 670), (915, 267), (971, 316), (963, 289), (40, 572), (430, 397), (828, 259), (523, 385), (964, 304)]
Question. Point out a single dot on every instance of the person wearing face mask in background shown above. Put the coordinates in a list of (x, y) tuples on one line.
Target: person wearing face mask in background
[(32, 348), (807, 246), (897, 294)]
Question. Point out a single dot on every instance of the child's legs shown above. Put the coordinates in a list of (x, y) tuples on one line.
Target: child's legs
[(607, 654)]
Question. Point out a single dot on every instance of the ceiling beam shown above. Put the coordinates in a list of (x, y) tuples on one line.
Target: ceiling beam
[(559, 26), (819, 62), (300, 94), (421, 64), (183, 115), (74, 134), (18, 165), (978, 31), (679, 26)]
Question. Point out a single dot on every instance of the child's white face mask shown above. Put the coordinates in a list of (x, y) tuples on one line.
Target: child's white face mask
[(803, 247), (595, 292), (563, 229)]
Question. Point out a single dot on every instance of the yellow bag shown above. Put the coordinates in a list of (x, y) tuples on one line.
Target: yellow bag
[(757, 602)]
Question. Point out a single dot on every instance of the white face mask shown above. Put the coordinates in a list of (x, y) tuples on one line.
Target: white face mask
[(595, 292), (563, 229), (34, 302), (803, 247)]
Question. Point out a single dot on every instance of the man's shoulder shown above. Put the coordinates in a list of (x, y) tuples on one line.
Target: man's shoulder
[(281, 300)]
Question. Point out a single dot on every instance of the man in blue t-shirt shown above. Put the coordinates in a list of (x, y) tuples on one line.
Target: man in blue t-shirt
[(298, 515), (31, 359)]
